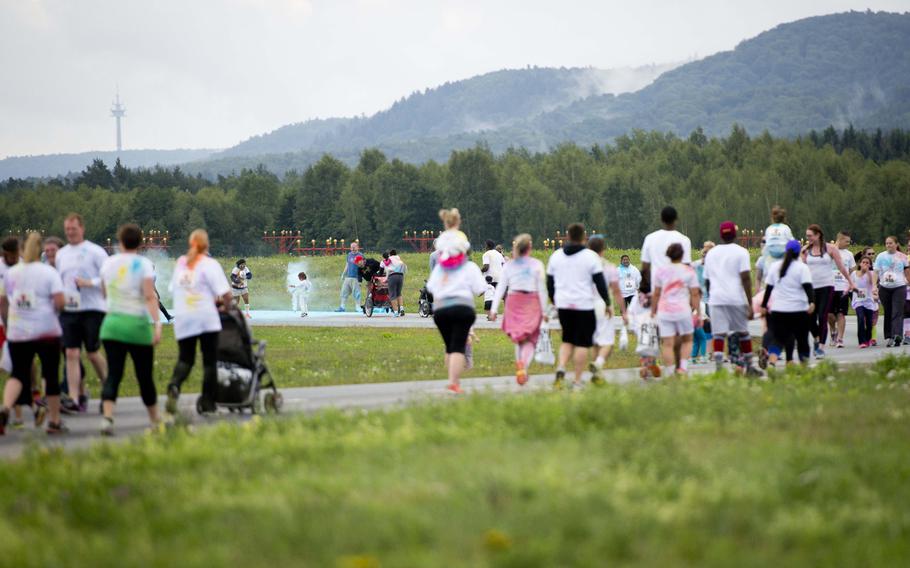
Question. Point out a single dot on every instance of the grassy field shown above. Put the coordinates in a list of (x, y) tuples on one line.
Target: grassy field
[(312, 356), (809, 469)]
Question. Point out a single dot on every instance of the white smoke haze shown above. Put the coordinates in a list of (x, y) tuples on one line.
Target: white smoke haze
[(164, 270)]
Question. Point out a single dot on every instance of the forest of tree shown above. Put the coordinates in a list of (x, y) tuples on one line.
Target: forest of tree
[(847, 179)]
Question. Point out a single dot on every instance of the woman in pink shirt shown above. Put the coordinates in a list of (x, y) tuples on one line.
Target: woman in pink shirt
[(675, 299)]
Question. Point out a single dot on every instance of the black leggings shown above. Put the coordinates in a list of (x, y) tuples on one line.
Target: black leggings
[(893, 299), (454, 325), (208, 344), (787, 328), (23, 354), (143, 363), (819, 318)]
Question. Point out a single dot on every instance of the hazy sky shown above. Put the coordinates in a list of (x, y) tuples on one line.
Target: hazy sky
[(210, 73)]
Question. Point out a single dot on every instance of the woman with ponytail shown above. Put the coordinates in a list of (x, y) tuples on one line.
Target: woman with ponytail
[(790, 294), (198, 284)]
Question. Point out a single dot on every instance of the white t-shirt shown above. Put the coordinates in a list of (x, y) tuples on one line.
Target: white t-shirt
[(654, 249), (81, 261), (30, 289), (676, 282), (788, 294), (302, 287), (777, 235), (495, 261), (890, 269), (840, 283), (524, 274), (629, 280), (456, 287), (723, 266), (573, 275), (194, 291), (123, 276)]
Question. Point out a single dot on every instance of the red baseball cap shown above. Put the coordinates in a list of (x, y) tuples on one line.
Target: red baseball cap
[(727, 229)]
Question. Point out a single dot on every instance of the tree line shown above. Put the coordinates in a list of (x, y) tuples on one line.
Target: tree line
[(848, 180)]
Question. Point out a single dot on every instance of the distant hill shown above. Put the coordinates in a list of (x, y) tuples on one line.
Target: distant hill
[(52, 165)]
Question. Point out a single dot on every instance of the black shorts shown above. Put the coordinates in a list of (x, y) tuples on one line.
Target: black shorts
[(840, 304), (578, 327), (628, 299), (82, 328), (487, 305), (454, 325)]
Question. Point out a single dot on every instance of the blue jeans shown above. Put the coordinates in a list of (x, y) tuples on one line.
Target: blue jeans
[(699, 343)]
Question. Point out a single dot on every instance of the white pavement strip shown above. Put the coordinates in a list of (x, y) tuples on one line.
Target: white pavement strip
[(131, 417)]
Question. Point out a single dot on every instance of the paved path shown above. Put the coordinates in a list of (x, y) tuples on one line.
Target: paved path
[(131, 417)]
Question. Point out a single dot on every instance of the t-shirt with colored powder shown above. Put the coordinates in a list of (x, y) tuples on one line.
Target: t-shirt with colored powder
[(675, 282), (890, 268), (127, 317), (30, 289), (195, 290)]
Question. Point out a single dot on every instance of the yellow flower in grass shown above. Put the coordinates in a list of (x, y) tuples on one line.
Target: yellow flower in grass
[(496, 540), (358, 561)]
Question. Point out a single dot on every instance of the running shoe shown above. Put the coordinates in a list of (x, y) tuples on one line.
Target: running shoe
[(840, 343), (4, 418), (67, 406), (107, 426), (898, 341), (596, 373), (833, 340), (521, 375), (597, 380), (173, 393), (874, 343), (819, 353), (303, 315), (401, 311), (248, 316), (763, 359), (40, 415), (890, 342), (454, 389), (339, 310), (560, 380), (863, 345), (83, 403), (752, 372), (57, 428)]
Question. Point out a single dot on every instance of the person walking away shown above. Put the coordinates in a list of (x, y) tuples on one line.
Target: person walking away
[(454, 283), (790, 293), (891, 268), (197, 285), (869, 253), (240, 288), (31, 296), (493, 262), (395, 269), (300, 293), (629, 279), (865, 300), (728, 281), (700, 337), (604, 330), (654, 248), (840, 303), (452, 236), (350, 279), (489, 294), (128, 283), (675, 299), (10, 257), (570, 273), (79, 264), (823, 259), (524, 287), (776, 236)]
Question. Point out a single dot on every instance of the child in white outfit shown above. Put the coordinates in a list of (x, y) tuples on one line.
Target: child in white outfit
[(300, 293)]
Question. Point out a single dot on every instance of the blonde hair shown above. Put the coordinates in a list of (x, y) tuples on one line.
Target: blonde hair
[(522, 244), (31, 252), (199, 244), (451, 218)]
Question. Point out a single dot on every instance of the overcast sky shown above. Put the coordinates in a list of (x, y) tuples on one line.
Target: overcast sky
[(210, 73)]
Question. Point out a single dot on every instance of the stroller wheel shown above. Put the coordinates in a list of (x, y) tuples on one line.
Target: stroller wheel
[(273, 402), (256, 407)]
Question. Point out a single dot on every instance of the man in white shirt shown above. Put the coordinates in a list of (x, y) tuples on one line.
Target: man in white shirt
[(79, 264), (728, 279), (840, 303), (570, 272), (492, 262), (654, 249)]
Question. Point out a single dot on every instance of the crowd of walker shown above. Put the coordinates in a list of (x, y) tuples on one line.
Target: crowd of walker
[(62, 299)]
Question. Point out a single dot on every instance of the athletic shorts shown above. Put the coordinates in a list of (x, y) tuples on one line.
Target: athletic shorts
[(237, 292), (628, 299), (604, 332), (729, 319), (82, 329), (840, 304), (487, 305), (396, 283), (578, 327), (672, 328), (454, 325)]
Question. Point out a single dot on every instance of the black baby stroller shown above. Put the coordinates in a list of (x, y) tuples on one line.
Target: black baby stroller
[(425, 303), (242, 371)]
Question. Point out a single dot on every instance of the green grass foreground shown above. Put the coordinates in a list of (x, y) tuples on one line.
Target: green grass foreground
[(316, 356), (810, 469)]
